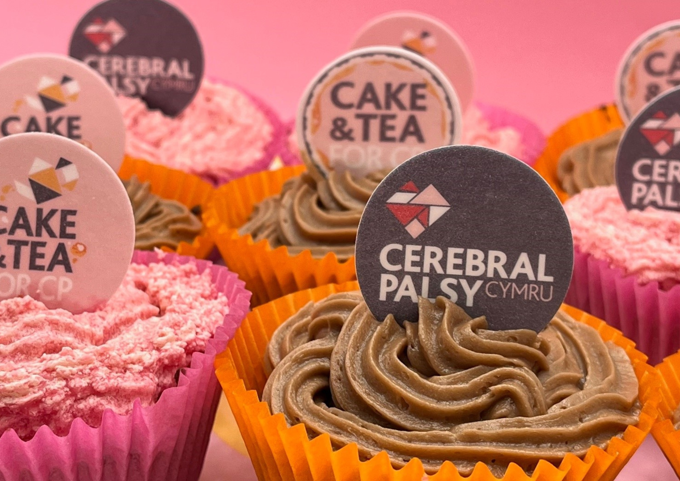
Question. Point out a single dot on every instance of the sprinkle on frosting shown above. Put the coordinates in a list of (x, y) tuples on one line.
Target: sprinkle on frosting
[(645, 244), (446, 388), (56, 366), (219, 134)]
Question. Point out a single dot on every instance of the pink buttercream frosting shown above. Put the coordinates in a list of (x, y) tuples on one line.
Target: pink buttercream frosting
[(220, 133), (56, 366), (645, 244), (476, 131)]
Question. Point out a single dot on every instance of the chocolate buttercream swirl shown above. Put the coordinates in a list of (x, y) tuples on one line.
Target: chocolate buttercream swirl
[(159, 222), (446, 388), (321, 216), (589, 164)]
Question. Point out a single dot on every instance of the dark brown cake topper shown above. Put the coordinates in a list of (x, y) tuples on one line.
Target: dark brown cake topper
[(143, 48), (471, 224)]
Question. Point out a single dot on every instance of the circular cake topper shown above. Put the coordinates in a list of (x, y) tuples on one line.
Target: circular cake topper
[(650, 67), (374, 108), (648, 158), (59, 95), (144, 48), (426, 36), (471, 224), (67, 231)]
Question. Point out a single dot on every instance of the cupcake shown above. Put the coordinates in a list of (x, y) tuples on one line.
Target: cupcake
[(627, 268), (667, 431), (223, 134), (484, 125), (302, 229), (126, 391), (168, 206), (388, 414), (581, 153)]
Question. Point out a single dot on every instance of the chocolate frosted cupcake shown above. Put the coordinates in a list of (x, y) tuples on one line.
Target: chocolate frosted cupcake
[(580, 154), (589, 164), (446, 388), (429, 396), (160, 222), (319, 216), (168, 206)]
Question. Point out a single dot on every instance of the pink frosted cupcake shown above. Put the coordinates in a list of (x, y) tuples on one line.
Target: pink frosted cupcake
[(125, 392), (223, 134), (627, 268), (483, 125)]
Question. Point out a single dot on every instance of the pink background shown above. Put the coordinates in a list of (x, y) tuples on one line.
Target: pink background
[(548, 60)]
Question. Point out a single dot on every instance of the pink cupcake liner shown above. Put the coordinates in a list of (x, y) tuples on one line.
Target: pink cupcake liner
[(533, 139), (166, 441), (273, 148), (645, 313)]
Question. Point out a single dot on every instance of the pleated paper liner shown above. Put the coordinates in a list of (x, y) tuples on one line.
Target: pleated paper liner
[(284, 453), (665, 434), (171, 184), (587, 126), (645, 313), (165, 441), (268, 273)]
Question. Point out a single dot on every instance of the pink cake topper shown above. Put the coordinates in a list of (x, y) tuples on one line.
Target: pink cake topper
[(59, 95), (650, 67), (374, 108), (426, 36), (67, 229)]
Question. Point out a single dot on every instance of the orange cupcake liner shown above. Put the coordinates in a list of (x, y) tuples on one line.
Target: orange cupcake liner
[(268, 273), (664, 432), (587, 126), (184, 188), (285, 453)]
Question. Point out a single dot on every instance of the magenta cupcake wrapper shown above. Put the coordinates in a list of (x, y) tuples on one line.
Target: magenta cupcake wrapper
[(645, 313), (165, 441), (274, 147), (533, 139)]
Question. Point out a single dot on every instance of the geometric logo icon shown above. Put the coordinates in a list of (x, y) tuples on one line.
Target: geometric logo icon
[(417, 210), (104, 35), (46, 182), (422, 44), (662, 132), (52, 95)]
